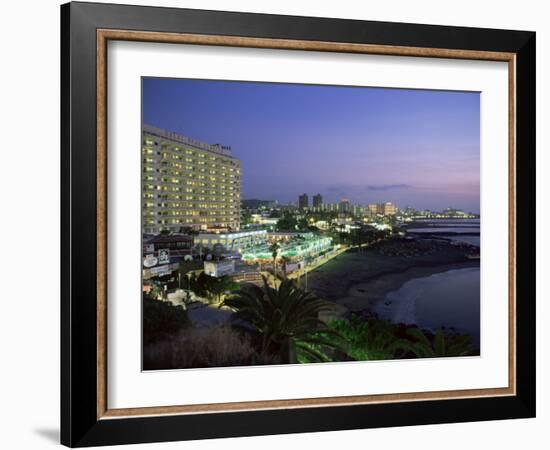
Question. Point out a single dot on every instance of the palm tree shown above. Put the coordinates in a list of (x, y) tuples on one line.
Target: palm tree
[(284, 261), (442, 345), (286, 317), (274, 249)]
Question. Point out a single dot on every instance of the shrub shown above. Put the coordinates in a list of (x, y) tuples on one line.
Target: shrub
[(219, 346), (362, 340), (442, 344), (161, 319)]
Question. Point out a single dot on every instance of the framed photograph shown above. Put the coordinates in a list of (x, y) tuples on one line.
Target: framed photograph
[(276, 224)]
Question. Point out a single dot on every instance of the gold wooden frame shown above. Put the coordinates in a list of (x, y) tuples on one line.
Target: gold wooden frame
[(103, 36)]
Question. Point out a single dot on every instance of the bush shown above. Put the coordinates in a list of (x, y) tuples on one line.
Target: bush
[(219, 346), (161, 319), (362, 340), (210, 287), (374, 339)]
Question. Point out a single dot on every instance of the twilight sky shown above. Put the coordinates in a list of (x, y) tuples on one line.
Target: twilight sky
[(411, 147)]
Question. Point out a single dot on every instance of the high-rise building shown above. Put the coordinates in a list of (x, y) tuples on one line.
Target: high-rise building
[(317, 200), (187, 183), (344, 206), (372, 208), (388, 209), (303, 201), (358, 210), (384, 209)]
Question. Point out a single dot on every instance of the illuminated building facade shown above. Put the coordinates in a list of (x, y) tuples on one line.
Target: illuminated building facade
[(385, 209), (234, 241), (187, 183)]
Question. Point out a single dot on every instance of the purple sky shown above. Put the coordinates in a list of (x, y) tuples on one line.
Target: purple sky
[(412, 147)]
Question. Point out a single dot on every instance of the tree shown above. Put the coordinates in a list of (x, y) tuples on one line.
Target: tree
[(370, 340), (286, 317), (190, 231), (274, 249), (155, 292), (246, 218), (287, 223), (443, 345), (284, 261), (202, 250), (200, 284), (161, 319), (219, 286), (184, 267), (211, 287)]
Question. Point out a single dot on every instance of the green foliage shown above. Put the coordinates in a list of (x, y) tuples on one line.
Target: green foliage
[(442, 345), (211, 287), (305, 225), (379, 340), (274, 249), (161, 319), (155, 292), (286, 317), (372, 339), (363, 235), (366, 340), (246, 218), (219, 286), (287, 223)]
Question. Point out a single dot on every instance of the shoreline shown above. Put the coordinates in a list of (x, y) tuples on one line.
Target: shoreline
[(362, 297), (358, 280)]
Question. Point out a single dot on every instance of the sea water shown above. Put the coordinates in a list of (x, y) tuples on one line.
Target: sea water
[(449, 299)]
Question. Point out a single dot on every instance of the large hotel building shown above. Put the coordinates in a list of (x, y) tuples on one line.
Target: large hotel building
[(187, 183)]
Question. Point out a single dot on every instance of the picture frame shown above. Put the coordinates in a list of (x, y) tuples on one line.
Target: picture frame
[(86, 29)]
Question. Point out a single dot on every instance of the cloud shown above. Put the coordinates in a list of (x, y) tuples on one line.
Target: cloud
[(337, 188), (387, 187)]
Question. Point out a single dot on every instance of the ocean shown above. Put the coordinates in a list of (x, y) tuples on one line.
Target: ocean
[(449, 299), (460, 230)]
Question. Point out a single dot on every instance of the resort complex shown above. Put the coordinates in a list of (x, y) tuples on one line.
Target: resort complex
[(292, 223), (206, 250), (192, 211)]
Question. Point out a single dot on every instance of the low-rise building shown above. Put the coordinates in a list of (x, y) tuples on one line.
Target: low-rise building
[(263, 220), (232, 241), (179, 245), (285, 236), (322, 225), (295, 246), (219, 268)]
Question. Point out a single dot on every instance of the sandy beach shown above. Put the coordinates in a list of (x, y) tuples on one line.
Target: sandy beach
[(359, 280)]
